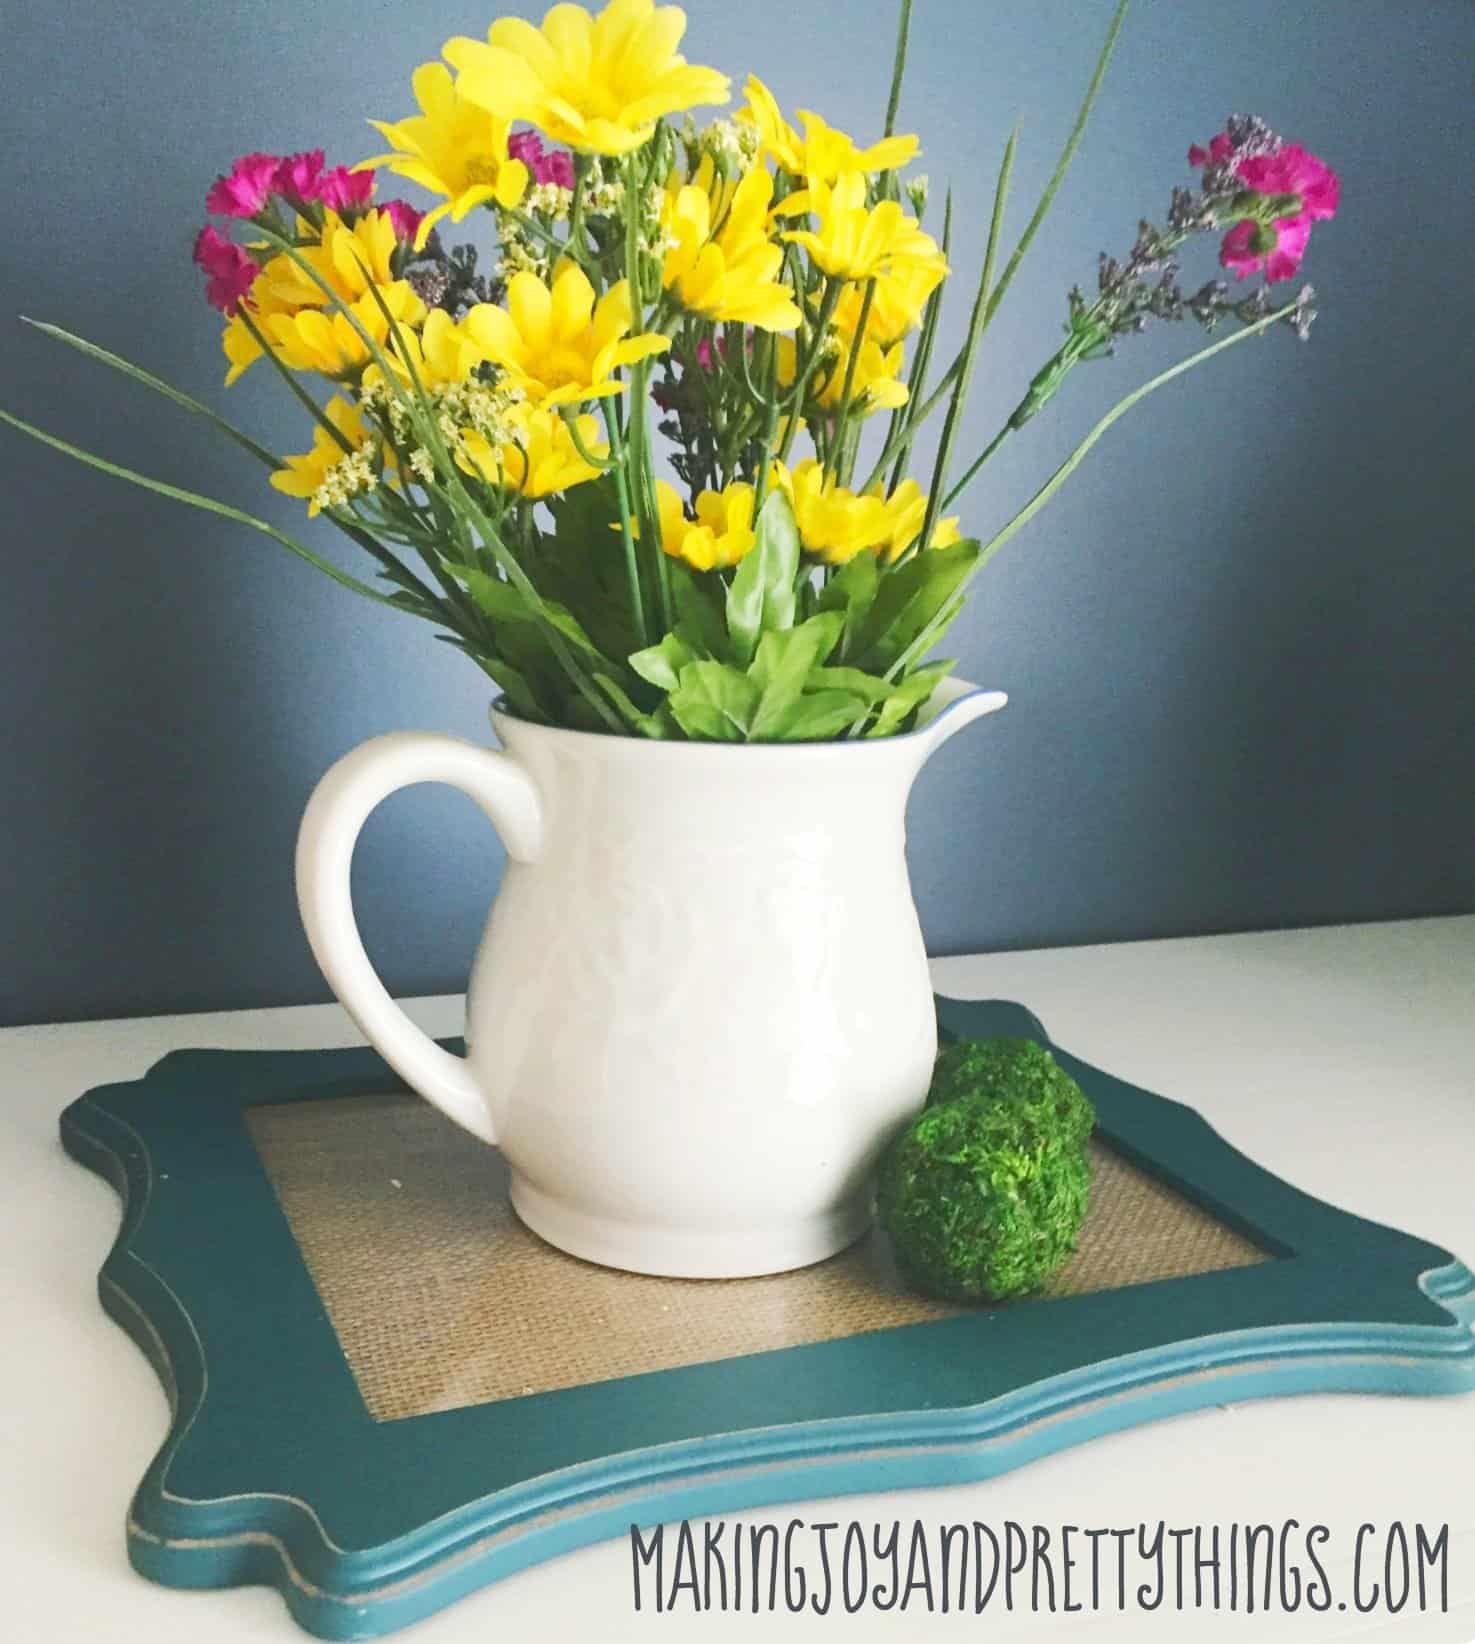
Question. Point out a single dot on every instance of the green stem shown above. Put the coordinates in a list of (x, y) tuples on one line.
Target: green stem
[(857, 342), (900, 432), (898, 66), (977, 326), (555, 247), (159, 386), (795, 401), (208, 504), (886, 187), (978, 462), (770, 425), (1067, 154), (920, 645), (314, 410), (628, 531), (571, 421)]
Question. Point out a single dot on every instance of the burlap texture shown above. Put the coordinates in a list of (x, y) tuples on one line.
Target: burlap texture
[(441, 1298)]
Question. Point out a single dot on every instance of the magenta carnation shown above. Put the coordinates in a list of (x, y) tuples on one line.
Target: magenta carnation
[(343, 190), (526, 146), (245, 191), (405, 218), (1248, 247), (556, 168), (229, 268), (1287, 168), (1291, 170), (297, 175)]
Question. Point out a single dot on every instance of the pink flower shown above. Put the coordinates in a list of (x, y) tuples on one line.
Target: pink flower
[(1291, 170), (556, 168), (1286, 168), (230, 269), (343, 190), (297, 175), (1248, 247), (405, 218), (246, 190), (526, 146)]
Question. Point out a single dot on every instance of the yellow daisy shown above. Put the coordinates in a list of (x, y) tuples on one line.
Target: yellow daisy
[(876, 386), (441, 352), (540, 459), (557, 344), (330, 343), (900, 296), (835, 524), (906, 508), (285, 301), (722, 532), (857, 242), (328, 474), (732, 275), (598, 84), (452, 147), (823, 153)]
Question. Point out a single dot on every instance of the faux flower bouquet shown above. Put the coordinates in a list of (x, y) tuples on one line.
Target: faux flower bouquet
[(752, 304)]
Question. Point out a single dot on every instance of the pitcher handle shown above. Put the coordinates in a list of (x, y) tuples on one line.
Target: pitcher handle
[(337, 811)]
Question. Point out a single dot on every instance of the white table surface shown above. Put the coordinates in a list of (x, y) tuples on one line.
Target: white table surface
[(1343, 1059)]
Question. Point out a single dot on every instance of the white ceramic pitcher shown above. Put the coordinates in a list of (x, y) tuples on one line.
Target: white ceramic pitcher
[(701, 1006)]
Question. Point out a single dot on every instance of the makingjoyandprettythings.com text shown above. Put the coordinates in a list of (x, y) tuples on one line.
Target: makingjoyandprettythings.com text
[(966, 1569)]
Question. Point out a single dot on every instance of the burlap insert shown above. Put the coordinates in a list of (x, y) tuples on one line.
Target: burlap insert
[(441, 1298)]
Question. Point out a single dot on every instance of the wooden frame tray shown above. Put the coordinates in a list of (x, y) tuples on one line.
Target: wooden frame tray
[(276, 1471)]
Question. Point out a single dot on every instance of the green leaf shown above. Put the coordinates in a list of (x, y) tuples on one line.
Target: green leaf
[(521, 697), (908, 600), (819, 717), (852, 590), (581, 564), (505, 604), (762, 597), (662, 664), (698, 598), (713, 702), (782, 666), (655, 725), (907, 696), (868, 687)]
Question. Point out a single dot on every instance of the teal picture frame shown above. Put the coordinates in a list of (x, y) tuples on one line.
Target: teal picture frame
[(274, 1472)]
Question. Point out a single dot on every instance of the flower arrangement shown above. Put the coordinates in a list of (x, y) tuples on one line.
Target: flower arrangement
[(749, 304)]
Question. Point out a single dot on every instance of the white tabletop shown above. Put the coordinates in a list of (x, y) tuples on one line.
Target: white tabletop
[(1340, 1058)]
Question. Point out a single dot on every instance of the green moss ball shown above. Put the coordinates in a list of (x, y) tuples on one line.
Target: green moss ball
[(980, 1201), (1017, 1071), (984, 1192)]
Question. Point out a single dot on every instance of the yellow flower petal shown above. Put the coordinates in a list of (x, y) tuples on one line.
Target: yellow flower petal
[(597, 84)]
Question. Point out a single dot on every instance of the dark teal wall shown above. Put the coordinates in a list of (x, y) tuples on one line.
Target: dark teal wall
[(1239, 646)]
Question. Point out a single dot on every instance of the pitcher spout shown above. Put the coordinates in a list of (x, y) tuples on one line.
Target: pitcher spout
[(955, 703)]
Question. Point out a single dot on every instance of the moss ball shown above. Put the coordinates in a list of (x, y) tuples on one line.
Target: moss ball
[(984, 1192), (1017, 1071), (981, 1202)]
